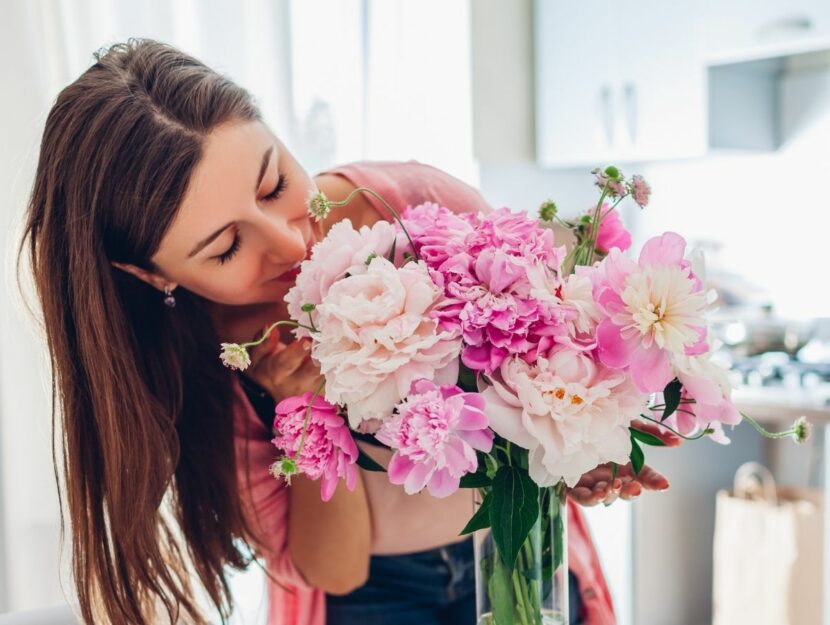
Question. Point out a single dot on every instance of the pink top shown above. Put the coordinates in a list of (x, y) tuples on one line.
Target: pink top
[(293, 601)]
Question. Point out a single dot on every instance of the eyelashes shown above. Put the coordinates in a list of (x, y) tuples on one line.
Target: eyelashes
[(282, 185), (232, 250)]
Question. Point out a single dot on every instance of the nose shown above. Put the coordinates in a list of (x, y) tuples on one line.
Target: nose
[(283, 240)]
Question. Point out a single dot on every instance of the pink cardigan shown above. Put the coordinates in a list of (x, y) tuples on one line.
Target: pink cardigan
[(293, 601)]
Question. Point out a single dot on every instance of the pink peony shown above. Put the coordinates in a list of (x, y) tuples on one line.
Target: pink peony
[(569, 411), (343, 250), (436, 231), (435, 434), (705, 399), (612, 232), (328, 452), (488, 283), (654, 311), (378, 333)]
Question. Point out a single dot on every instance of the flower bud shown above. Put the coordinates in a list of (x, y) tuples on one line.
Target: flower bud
[(235, 356)]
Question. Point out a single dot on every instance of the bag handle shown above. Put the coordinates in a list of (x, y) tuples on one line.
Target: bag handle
[(752, 479)]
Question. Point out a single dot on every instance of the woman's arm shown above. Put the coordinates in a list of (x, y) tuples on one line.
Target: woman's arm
[(329, 542)]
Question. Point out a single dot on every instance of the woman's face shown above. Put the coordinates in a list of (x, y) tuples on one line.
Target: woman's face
[(242, 225)]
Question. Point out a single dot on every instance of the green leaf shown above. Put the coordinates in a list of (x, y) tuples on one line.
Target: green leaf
[(646, 438), (671, 397), (514, 510), (366, 462), (637, 457), (500, 589), (614, 470), (467, 379), (478, 479), (481, 519)]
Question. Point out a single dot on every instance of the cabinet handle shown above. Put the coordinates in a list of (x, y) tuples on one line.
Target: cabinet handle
[(631, 112), (792, 24), (606, 99)]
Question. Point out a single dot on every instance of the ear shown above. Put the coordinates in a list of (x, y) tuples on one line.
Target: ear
[(153, 279)]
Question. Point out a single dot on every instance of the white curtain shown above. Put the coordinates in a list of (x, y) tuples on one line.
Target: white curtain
[(337, 80), (44, 45)]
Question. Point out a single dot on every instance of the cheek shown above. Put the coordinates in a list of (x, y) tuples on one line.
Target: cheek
[(238, 282)]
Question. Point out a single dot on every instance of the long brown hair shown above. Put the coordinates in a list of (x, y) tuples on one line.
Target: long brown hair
[(143, 400)]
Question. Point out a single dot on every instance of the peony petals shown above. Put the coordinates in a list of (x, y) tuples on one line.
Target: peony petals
[(650, 370)]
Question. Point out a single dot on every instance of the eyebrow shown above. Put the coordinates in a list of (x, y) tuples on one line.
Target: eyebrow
[(212, 237)]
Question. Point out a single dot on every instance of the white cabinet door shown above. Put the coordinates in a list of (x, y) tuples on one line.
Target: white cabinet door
[(618, 82), (746, 29), (661, 81), (575, 99)]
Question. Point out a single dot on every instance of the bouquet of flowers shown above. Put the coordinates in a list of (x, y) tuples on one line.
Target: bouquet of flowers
[(487, 357)]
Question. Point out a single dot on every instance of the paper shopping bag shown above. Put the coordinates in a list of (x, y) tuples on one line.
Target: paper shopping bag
[(768, 552)]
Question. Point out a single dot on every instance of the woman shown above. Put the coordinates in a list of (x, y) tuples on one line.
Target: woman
[(165, 217)]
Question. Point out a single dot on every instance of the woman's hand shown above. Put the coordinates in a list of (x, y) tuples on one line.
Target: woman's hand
[(284, 370), (600, 485)]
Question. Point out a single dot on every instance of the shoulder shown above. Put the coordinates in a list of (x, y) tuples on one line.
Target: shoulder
[(401, 184)]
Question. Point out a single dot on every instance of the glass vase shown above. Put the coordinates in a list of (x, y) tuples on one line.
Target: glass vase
[(534, 590)]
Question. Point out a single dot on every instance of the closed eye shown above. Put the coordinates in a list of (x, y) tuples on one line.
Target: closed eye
[(282, 183), (225, 256), (231, 251)]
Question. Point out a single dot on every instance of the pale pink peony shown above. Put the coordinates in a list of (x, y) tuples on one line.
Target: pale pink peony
[(435, 434), (343, 250), (583, 314), (654, 311), (569, 411), (328, 452), (612, 232), (377, 334)]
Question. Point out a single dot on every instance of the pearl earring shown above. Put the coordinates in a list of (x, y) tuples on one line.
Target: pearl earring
[(169, 301)]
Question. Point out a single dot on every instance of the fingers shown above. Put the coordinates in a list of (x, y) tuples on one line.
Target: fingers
[(652, 479), (286, 360), (630, 490), (583, 496)]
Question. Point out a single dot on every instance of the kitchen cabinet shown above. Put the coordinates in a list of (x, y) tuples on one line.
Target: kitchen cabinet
[(750, 29), (618, 82), (647, 80)]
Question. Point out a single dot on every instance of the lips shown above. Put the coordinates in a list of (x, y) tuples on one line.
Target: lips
[(292, 273)]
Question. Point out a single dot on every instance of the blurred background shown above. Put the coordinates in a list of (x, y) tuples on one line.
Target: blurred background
[(723, 106)]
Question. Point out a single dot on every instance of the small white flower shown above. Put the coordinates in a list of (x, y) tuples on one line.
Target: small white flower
[(235, 356), (802, 429), (284, 467), (318, 205)]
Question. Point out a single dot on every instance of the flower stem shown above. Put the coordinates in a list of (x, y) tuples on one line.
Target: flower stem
[(270, 329), (767, 433), (388, 207), (592, 238), (706, 431)]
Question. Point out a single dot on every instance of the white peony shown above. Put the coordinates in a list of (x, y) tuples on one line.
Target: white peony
[(569, 411), (377, 335)]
